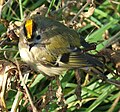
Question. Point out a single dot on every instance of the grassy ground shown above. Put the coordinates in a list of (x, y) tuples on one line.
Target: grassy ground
[(98, 22)]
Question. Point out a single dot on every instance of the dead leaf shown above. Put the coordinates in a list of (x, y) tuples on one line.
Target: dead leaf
[(114, 57), (5, 66), (89, 12)]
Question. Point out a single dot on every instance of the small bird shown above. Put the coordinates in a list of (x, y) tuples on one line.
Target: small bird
[(50, 47)]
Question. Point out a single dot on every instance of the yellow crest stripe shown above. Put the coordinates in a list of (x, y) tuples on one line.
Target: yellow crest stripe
[(29, 27)]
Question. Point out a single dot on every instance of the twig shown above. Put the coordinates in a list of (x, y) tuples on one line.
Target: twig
[(113, 39), (8, 43), (88, 2), (3, 5), (113, 106), (26, 89), (16, 101), (78, 88), (115, 2), (2, 95)]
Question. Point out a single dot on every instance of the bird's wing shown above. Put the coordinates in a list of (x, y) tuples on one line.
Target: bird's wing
[(79, 60), (74, 59)]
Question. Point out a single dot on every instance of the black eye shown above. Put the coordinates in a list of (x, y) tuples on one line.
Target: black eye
[(38, 37)]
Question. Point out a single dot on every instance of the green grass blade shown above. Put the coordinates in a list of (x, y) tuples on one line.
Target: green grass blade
[(101, 98), (97, 35)]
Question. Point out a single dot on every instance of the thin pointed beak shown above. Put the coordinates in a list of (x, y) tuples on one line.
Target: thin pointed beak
[(31, 45)]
